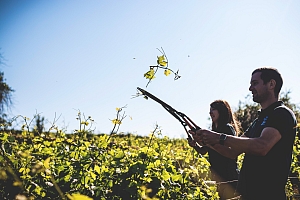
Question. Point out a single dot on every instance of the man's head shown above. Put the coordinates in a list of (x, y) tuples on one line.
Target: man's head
[(264, 82)]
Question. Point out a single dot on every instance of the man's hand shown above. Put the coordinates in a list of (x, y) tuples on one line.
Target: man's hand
[(196, 138), (206, 137), (191, 142)]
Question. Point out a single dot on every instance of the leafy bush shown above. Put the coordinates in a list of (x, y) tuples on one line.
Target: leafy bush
[(55, 165)]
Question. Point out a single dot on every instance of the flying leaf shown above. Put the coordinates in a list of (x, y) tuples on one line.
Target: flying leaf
[(167, 72), (149, 74), (161, 60)]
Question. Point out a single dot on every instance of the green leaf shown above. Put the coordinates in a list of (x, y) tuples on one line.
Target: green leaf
[(110, 183), (165, 175), (47, 143), (120, 155), (176, 177), (87, 144), (93, 175), (97, 169), (67, 177), (46, 163)]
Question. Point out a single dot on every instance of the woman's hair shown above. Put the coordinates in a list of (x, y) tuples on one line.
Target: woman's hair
[(225, 115)]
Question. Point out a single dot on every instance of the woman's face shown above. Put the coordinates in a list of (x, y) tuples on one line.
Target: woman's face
[(214, 114)]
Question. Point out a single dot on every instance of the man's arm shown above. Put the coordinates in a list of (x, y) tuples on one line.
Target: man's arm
[(256, 146), (226, 150), (212, 139), (234, 146)]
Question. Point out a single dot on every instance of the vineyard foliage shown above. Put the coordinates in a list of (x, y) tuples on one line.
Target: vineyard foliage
[(55, 165), (84, 165)]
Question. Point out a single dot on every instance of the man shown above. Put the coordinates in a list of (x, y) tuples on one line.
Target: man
[(267, 143)]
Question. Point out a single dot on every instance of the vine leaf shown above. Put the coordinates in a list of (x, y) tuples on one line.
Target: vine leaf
[(150, 74), (162, 63), (167, 72)]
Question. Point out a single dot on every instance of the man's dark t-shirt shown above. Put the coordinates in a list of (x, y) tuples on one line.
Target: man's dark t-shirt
[(264, 177)]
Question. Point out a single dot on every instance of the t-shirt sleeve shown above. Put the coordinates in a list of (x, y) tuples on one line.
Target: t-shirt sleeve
[(229, 130), (281, 119)]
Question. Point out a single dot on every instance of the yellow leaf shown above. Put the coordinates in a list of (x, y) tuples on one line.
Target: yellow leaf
[(78, 197), (163, 63), (165, 175), (149, 74), (161, 60), (97, 169), (116, 121), (93, 175), (177, 177), (87, 144), (27, 170), (85, 123), (117, 109), (167, 72), (46, 163), (157, 163)]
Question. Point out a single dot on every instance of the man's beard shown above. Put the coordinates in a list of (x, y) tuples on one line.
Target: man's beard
[(259, 98)]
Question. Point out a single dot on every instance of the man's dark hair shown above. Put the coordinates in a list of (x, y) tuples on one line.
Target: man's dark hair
[(270, 73)]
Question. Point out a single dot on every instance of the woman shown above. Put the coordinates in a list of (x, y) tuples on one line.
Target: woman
[(223, 170)]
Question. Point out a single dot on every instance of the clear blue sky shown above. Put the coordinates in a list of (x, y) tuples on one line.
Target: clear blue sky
[(64, 56)]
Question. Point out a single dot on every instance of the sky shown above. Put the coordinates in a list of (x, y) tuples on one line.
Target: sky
[(62, 57)]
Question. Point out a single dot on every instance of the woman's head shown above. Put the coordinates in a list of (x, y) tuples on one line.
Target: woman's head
[(220, 112)]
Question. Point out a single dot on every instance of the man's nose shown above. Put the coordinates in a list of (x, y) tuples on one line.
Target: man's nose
[(250, 88)]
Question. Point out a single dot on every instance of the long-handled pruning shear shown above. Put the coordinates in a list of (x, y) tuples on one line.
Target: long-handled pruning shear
[(184, 120)]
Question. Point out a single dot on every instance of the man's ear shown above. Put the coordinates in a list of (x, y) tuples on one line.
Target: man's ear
[(272, 84)]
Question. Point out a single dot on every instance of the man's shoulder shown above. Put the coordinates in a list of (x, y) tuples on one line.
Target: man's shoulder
[(284, 111), (282, 116)]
